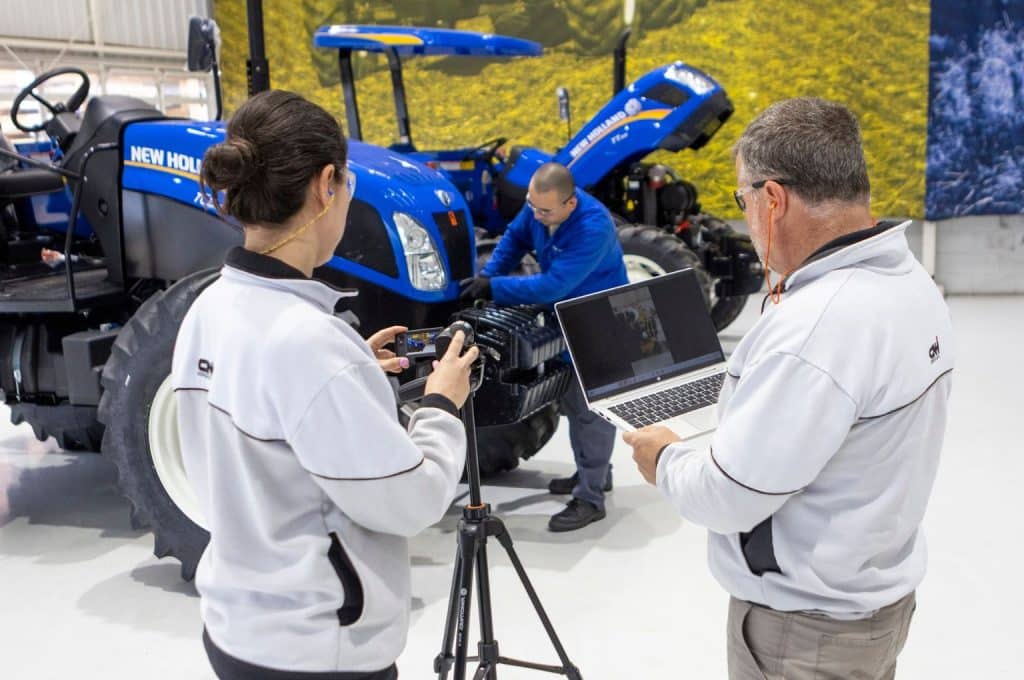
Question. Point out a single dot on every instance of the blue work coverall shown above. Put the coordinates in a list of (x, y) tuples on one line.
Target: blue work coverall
[(582, 256)]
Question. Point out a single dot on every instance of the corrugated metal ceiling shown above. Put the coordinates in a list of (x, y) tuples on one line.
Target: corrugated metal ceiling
[(152, 24)]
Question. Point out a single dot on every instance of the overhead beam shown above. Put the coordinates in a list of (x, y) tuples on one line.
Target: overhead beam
[(89, 48)]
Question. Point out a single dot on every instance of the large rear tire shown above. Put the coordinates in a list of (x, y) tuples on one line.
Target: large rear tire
[(138, 409)]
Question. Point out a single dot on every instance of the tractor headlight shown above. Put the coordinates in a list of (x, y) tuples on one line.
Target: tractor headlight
[(421, 256)]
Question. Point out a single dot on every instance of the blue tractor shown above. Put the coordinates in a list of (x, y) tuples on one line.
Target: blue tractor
[(674, 107), (107, 240)]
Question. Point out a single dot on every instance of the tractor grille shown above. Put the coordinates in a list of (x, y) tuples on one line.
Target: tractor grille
[(454, 230)]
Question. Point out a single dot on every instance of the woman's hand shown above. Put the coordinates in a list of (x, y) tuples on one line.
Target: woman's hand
[(451, 374), (385, 357)]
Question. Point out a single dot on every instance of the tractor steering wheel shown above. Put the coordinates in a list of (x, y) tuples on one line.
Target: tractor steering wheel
[(70, 106), (490, 148)]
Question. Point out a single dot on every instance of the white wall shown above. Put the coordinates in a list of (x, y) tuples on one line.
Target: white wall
[(981, 255), (974, 255)]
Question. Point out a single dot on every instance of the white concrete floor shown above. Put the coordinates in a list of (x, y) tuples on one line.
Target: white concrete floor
[(631, 596)]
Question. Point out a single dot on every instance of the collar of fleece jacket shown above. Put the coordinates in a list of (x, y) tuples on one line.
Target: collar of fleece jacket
[(274, 273)]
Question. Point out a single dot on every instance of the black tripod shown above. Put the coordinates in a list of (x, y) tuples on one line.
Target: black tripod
[(476, 525)]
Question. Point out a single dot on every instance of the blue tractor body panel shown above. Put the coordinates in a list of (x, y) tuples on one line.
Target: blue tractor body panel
[(163, 158), (409, 41)]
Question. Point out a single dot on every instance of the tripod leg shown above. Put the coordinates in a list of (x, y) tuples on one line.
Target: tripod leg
[(443, 662), (469, 544), (505, 539), (488, 647), (482, 673)]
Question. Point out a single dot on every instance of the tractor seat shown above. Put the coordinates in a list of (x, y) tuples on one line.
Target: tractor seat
[(30, 182), (104, 117)]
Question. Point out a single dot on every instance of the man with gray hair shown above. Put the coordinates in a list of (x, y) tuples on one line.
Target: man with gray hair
[(832, 416)]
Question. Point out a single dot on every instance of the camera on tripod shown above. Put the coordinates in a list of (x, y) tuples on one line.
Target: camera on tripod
[(432, 343), (427, 344)]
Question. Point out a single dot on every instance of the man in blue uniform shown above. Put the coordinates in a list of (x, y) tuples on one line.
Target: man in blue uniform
[(573, 238)]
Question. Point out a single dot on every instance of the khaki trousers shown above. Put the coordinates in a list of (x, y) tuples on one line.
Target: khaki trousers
[(765, 644)]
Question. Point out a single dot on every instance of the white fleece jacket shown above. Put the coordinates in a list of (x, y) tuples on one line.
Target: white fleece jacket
[(308, 484), (831, 422)]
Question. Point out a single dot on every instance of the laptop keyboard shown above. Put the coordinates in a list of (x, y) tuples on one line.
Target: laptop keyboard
[(661, 406)]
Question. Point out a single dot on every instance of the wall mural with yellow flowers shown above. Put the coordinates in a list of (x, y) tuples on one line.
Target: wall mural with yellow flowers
[(871, 55)]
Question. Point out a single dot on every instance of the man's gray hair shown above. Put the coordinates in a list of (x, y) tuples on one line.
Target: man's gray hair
[(813, 143)]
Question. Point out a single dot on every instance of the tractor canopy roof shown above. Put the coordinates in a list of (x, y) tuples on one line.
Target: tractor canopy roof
[(409, 41)]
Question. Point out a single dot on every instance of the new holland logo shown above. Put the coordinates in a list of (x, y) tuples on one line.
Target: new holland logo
[(444, 197)]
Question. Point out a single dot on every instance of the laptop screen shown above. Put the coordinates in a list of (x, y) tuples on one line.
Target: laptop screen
[(627, 337)]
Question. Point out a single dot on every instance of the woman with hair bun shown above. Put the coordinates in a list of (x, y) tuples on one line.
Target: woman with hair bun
[(308, 484)]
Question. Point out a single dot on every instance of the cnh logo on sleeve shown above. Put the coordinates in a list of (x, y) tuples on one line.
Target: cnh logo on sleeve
[(205, 367)]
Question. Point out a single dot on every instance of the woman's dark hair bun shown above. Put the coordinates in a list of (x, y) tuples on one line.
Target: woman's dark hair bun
[(276, 143), (230, 164)]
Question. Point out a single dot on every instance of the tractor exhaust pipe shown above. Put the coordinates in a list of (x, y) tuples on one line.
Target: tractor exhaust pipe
[(257, 70), (619, 58), (619, 63)]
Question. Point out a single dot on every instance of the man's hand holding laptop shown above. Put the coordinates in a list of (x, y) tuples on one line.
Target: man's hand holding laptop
[(648, 443)]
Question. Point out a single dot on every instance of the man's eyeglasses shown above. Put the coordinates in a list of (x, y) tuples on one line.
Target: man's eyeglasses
[(544, 212), (738, 194)]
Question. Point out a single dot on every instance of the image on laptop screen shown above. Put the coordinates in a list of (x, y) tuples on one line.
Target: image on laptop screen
[(635, 335)]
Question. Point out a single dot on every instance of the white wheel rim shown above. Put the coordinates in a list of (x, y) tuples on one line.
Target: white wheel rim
[(165, 449), (640, 268)]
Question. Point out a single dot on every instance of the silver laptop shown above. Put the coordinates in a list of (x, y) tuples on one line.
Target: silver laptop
[(647, 354)]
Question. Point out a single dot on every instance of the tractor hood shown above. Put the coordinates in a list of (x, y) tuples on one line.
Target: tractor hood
[(673, 107), (393, 197), (390, 188)]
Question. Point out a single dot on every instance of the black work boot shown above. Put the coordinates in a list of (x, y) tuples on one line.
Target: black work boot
[(577, 514), (564, 485)]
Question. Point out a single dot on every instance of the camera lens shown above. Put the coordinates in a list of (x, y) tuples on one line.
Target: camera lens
[(444, 338)]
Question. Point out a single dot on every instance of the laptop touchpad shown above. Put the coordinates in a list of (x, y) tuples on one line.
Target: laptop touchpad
[(703, 420)]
